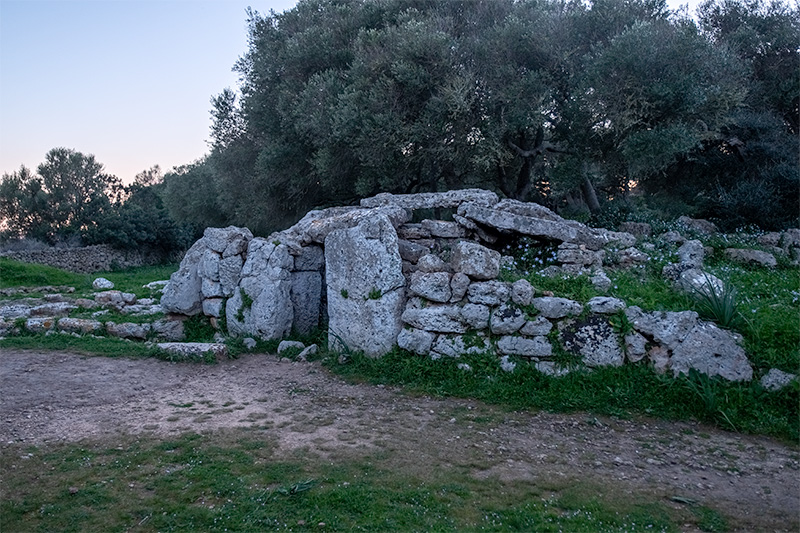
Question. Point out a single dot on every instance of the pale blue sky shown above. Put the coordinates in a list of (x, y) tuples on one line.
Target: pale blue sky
[(129, 81)]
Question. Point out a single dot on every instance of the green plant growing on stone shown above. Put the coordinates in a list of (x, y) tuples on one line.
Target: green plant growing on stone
[(247, 303), (718, 303), (345, 294), (374, 294), (620, 323)]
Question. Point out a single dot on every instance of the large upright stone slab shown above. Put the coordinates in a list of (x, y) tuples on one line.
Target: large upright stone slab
[(366, 287), (262, 305), (182, 295)]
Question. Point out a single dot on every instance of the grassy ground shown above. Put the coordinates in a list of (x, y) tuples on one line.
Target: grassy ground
[(235, 482)]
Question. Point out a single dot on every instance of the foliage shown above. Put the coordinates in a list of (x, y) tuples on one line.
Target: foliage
[(568, 104), (718, 303)]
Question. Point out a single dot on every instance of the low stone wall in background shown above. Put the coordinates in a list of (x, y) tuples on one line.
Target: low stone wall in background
[(97, 258)]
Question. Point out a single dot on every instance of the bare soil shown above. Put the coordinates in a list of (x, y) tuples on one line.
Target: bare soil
[(62, 397)]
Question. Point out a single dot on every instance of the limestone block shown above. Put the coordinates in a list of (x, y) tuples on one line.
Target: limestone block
[(169, 330), (432, 263), (228, 241), (213, 307), (306, 295), (53, 309), (711, 351), (695, 280), (476, 316), (434, 286), (522, 292), (775, 379), (416, 340), (635, 347), (459, 284), (230, 271), (209, 265), (434, 317), (432, 200), (526, 347), (489, 293), (366, 286), (457, 345), (102, 284), (507, 320), (412, 232), (411, 251), (594, 340), (555, 307), (600, 281), (182, 294), (443, 229), (667, 328), (632, 256), (79, 325), (605, 305), (283, 346), (128, 330), (191, 350), (537, 327), (699, 225), (751, 257), (579, 255), (40, 324), (211, 289), (476, 261), (692, 253)]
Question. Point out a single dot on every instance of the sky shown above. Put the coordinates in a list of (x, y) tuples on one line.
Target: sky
[(129, 81)]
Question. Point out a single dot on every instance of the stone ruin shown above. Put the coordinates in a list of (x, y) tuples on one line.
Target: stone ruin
[(378, 280)]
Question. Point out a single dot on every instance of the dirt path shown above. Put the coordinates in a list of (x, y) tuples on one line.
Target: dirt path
[(48, 397)]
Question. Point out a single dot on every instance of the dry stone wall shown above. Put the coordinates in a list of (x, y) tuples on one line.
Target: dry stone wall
[(88, 259), (436, 287)]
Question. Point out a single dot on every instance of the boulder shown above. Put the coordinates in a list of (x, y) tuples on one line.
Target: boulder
[(775, 379), (668, 328), (128, 330), (444, 229), (711, 351), (579, 255), (600, 281), (213, 307), (411, 251), (53, 309), (79, 325), (434, 286), (489, 293), (637, 229), (536, 327), (457, 345), (506, 320), (635, 347), (594, 340), (169, 330), (415, 340), (525, 347), (283, 346), (475, 260), (695, 281), (262, 305), (632, 256), (476, 316), (698, 225), (40, 324), (691, 253), (116, 299), (672, 237), (182, 294), (366, 287), (102, 284), (554, 307), (751, 257), (605, 305), (438, 318), (522, 292), (432, 200)]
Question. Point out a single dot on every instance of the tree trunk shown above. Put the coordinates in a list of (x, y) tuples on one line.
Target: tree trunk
[(589, 193)]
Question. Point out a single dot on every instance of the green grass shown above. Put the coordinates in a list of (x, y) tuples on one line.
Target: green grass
[(236, 482), (624, 391), (105, 346)]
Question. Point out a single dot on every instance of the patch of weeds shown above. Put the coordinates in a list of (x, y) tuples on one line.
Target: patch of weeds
[(344, 294), (247, 304), (133, 279), (566, 286), (649, 293), (620, 323), (198, 328), (530, 254), (709, 519), (718, 303), (374, 294)]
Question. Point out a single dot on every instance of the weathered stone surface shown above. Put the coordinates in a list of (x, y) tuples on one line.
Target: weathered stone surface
[(672, 237), (635, 347), (53, 309), (605, 305), (489, 293), (444, 229), (209, 265), (551, 368), (476, 316), (266, 284), (156, 285), (412, 232), (476, 261), (465, 222), (711, 351), (638, 229), (411, 251), (40, 324), (183, 292), (430, 200), (775, 379), (191, 350), (366, 287), (310, 258), (621, 239), (595, 341), (459, 284), (772, 238), (506, 364), (230, 271), (79, 325), (434, 286), (432, 263), (526, 347), (522, 292), (579, 255), (416, 340), (456, 346), (665, 327), (169, 330), (698, 225), (659, 358), (12, 311), (554, 307), (283, 346), (691, 253), (751, 257), (529, 209), (632, 256), (318, 229), (213, 307), (128, 330), (102, 284), (507, 320), (600, 281), (307, 352), (211, 289), (695, 280), (536, 327), (306, 296), (438, 318), (554, 229), (219, 239)]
